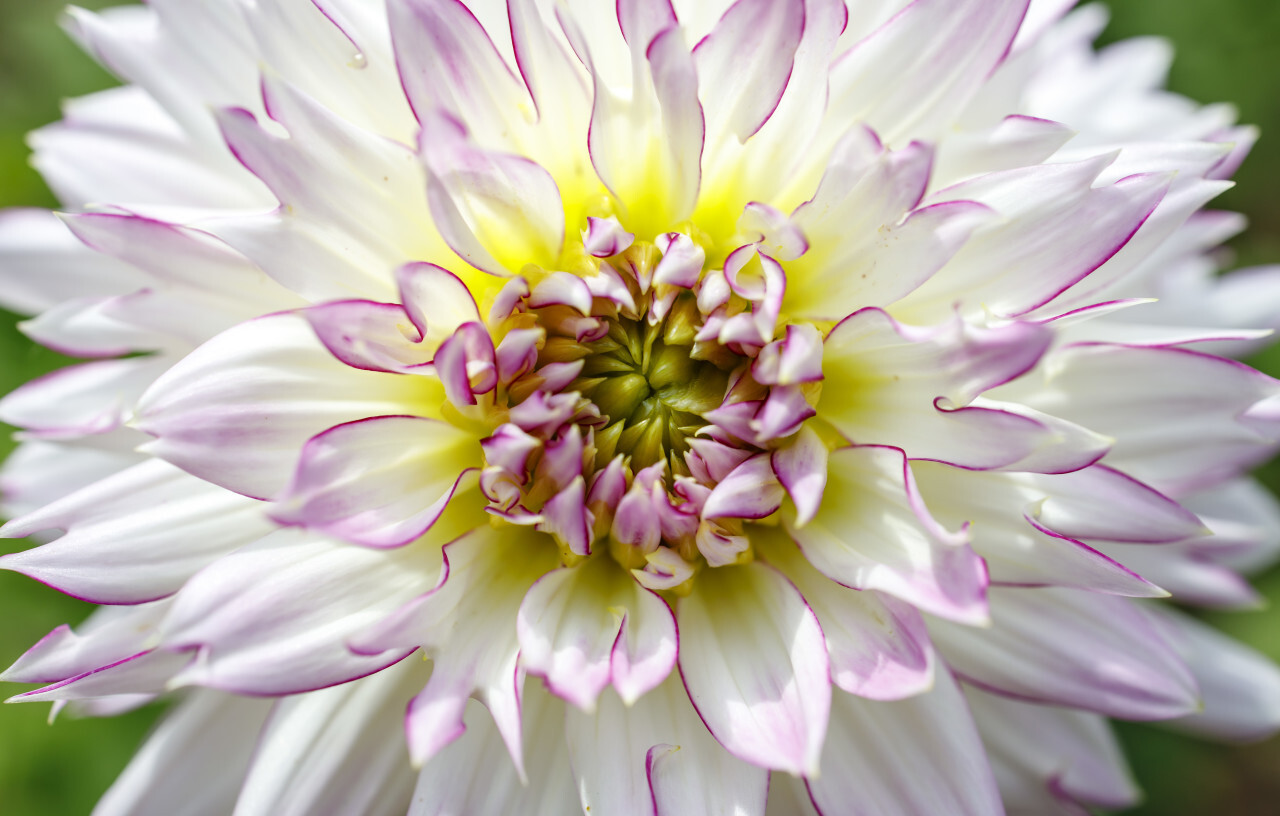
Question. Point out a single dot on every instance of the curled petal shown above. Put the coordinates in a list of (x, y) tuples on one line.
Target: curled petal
[(467, 365), (878, 535), (380, 482), (604, 237), (583, 628), (751, 491), (436, 300)]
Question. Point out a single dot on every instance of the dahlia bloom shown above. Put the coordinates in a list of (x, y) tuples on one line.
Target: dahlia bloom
[(708, 408)]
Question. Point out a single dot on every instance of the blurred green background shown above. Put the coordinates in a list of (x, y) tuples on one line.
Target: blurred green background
[(1226, 52)]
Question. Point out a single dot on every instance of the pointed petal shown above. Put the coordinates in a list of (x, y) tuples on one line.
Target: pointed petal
[(273, 617), (1182, 419), (1006, 511), (498, 211), (887, 383), (1240, 687), (109, 635), (917, 71), (467, 626), (1060, 751), (760, 36)]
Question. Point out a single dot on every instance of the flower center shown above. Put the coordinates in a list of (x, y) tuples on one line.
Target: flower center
[(625, 387), (650, 390)]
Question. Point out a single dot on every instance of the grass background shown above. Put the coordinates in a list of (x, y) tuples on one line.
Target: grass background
[(1225, 52)]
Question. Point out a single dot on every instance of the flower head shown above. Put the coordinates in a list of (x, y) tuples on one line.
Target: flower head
[(636, 405)]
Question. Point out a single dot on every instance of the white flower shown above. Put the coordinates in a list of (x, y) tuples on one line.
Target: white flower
[(806, 349)]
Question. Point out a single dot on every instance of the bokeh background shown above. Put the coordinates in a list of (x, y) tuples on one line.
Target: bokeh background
[(1225, 52)]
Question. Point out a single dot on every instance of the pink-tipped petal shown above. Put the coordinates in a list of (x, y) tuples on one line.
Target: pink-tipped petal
[(369, 336), (802, 470), (766, 704), (436, 300), (751, 491), (878, 646), (237, 410), (747, 58), (655, 758), (380, 482), (879, 535), (605, 237), (584, 628)]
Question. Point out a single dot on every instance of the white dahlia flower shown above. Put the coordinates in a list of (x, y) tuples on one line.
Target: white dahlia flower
[(722, 409)]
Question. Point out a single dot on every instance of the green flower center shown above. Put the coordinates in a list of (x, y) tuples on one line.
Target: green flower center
[(646, 382)]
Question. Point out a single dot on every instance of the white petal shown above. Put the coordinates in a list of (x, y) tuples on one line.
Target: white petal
[(381, 481), (1006, 513), (107, 636), (891, 384), (753, 659), (873, 532), (877, 645), (43, 264), (1042, 754), (747, 58), (340, 54), (239, 408), (197, 755), (448, 62), (498, 211), (1016, 141), (85, 399), (119, 146), (135, 536), (584, 627), (914, 756), (146, 673), (647, 148), (1065, 646), (474, 777), (656, 758), (175, 257), (274, 617), (1056, 229), (187, 59), (1181, 418), (1101, 502), (467, 625), (351, 200), (916, 72), (337, 750), (1240, 687), (39, 472)]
